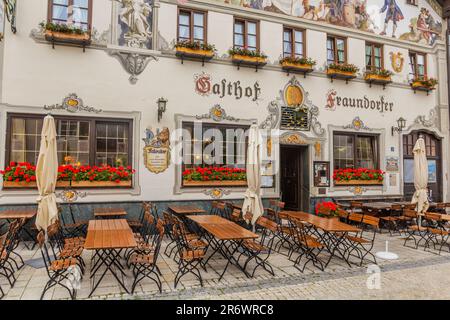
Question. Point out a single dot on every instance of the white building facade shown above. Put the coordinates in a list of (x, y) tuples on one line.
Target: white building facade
[(317, 123)]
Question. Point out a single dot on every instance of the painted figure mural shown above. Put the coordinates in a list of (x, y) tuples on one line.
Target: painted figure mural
[(393, 13), (377, 16), (135, 20)]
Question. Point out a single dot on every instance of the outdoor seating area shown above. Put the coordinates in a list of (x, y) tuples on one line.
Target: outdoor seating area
[(198, 245)]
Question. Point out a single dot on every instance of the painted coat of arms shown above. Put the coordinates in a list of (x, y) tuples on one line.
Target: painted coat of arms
[(157, 150)]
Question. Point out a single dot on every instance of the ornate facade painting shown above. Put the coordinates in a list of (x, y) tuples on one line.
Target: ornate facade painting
[(423, 29), (135, 23), (397, 61), (157, 150), (384, 17)]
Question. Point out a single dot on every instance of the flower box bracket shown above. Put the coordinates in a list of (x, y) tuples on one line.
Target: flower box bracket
[(379, 81), (199, 55), (250, 61), (292, 69), (335, 74), (82, 40)]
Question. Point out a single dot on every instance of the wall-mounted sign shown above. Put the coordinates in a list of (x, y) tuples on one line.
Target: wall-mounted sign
[(392, 164), (321, 174), (333, 100), (205, 86), (157, 150)]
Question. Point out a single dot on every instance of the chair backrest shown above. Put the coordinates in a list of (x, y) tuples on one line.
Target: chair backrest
[(410, 206), (431, 216), (236, 215), (410, 213), (397, 207), (271, 214), (371, 220), (248, 216), (440, 205), (297, 230), (356, 204), (355, 217), (268, 224)]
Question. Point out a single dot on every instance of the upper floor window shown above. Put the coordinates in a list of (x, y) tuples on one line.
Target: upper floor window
[(293, 43), (374, 56), (75, 12), (246, 34), (336, 50), (191, 26), (417, 65), (412, 2)]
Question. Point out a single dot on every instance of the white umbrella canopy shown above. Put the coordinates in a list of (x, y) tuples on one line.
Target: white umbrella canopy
[(46, 175), (252, 197), (420, 176)]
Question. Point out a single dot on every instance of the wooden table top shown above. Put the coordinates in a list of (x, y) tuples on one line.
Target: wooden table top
[(18, 214), (223, 229), (379, 205), (109, 234), (326, 224), (186, 209), (106, 212)]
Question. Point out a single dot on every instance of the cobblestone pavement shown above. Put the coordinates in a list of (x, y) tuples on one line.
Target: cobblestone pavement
[(417, 274)]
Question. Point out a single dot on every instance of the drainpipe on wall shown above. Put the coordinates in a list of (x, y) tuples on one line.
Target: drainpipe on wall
[(446, 16)]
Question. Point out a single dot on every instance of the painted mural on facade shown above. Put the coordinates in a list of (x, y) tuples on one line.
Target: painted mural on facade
[(393, 18), (135, 22)]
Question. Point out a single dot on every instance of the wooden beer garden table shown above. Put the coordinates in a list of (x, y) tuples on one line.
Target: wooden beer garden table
[(14, 214), (186, 209), (109, 213), (225, 237), (108, 237), (334, 231)]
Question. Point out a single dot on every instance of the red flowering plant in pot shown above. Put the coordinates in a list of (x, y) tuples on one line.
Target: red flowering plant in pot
[(214, 175), (327, 209), (358, 176), (18, 172)]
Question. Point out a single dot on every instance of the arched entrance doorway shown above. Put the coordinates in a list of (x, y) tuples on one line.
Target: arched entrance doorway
[(434, 156)]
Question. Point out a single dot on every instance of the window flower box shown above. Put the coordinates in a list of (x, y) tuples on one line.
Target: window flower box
[(194, 51), (381, 77), (421, 84), (214, 176), (247, 58), (63, 33), (298, 65), (342, 71), (216, 183), (23, 175), (357, 182), (360, 176)]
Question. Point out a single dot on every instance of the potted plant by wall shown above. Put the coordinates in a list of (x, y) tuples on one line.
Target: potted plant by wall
[(214, 176), (298, 64), (194, 50), (244, 56), (23, 175), (423, 84), (360, 176), (344, 71), (327, 209), (65, 33), (378, 76)]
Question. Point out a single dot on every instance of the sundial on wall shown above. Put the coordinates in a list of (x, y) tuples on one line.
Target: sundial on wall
[(295, 113)]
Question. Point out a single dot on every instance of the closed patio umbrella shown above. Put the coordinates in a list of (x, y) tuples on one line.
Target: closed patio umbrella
[(420, 177), (252, 198), (46, 175)]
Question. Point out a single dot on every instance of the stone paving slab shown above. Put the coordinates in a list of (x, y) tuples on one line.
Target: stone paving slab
[(339, 281)]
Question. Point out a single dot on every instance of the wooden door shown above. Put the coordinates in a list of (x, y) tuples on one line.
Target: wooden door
[(434, 157), (294, 167)]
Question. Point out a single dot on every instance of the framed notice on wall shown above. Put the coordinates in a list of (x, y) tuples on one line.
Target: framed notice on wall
[(321, 174)]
